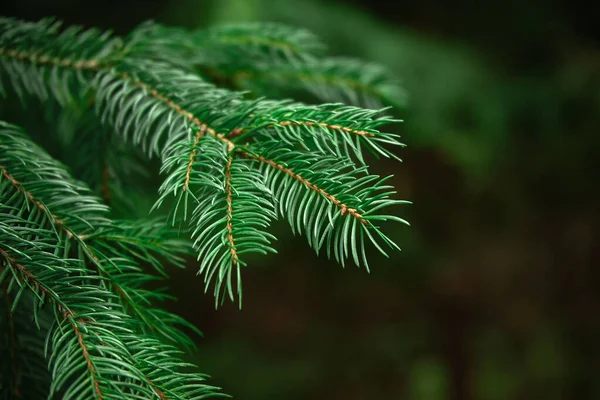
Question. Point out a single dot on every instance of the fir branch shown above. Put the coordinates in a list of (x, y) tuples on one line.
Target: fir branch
[(168, 111), (188, 174), (228, 189), (232, 165), (30, 279), (31, 64), (216, 115), (343, 207), (212, 94), (331, 129), (229, 215), (109, 248), (100, 332), (331, 184)]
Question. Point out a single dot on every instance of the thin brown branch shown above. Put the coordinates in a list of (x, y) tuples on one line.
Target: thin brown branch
[(188, 173), (86, 354), (238, 131), (203, 128), (343, 207), (88, 251), (326, 126), (56, 61), (234, 256), (231, 146), (179, 110)]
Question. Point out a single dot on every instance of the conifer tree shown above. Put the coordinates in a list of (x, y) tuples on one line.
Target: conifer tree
[(77, 317)]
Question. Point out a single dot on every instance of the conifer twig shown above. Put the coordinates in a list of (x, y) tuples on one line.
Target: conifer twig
[(65, 311)]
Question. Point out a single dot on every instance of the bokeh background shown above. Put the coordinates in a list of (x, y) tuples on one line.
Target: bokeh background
[(496, 293)]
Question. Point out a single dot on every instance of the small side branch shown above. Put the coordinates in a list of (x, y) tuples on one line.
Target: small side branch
[(204, 128), (234, 256), (238, 131), (201, 131), (343, 207), (326, 126), (67, 313)]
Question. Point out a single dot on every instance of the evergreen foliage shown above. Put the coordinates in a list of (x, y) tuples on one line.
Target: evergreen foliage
[(232, 163)]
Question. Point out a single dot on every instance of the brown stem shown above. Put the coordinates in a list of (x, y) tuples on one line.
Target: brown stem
[(188, 173), (230, 209), (96, 65), (343, 207)]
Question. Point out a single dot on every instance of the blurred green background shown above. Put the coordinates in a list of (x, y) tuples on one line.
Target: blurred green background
[(495, 294)]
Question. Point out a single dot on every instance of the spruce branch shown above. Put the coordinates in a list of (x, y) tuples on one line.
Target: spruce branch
[(169, 111), (346, 197), (232, 163), (90, 325)]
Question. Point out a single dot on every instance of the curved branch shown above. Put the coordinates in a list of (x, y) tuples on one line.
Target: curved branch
[(66, 312), (72, 235), (74, 321), (188, 173)]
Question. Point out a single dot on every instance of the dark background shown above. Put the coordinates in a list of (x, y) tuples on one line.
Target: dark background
[(496, 293)]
